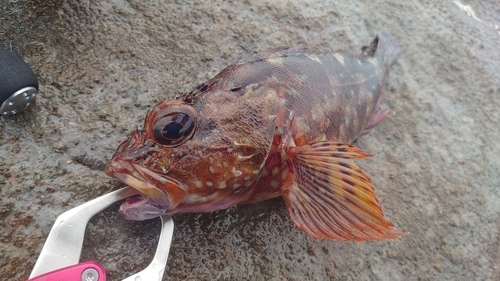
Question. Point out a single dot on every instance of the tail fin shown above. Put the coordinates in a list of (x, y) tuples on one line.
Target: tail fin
[(385, 47)]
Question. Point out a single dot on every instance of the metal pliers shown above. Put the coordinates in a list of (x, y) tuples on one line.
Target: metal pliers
[(60, 256)]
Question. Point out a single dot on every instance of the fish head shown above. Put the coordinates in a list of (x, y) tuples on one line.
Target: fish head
[(196, 156)]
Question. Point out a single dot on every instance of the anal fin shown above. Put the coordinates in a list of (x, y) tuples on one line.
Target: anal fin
[(329, 197)]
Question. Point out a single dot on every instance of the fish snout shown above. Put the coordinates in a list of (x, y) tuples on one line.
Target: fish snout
[(115, 167)]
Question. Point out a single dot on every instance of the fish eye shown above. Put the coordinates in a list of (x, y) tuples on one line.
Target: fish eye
[(172, 125)]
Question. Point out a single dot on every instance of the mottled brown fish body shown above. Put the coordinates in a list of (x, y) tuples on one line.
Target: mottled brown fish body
[(332, 97), (276, 123)]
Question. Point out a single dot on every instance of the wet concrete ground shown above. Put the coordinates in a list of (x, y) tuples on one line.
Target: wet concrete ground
[(103, 64)]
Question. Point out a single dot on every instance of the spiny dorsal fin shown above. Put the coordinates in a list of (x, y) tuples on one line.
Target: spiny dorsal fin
[(329, 197)]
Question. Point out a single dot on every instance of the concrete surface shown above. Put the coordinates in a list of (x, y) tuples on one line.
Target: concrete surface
[(102, 64)]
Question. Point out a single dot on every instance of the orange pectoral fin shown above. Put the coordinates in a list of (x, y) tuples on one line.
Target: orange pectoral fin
[(329, 197)]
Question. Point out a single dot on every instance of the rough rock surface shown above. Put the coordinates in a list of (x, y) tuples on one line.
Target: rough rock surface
[(102, 64)]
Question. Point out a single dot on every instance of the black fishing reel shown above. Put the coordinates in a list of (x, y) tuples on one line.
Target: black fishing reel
[(18, 84)]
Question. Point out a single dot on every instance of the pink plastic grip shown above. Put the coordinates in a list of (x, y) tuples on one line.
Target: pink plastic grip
[(73, 273)]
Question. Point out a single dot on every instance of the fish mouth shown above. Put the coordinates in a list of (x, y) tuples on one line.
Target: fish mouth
[(159, 194)]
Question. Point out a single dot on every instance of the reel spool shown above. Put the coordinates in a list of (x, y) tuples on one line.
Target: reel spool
[(18, 84)]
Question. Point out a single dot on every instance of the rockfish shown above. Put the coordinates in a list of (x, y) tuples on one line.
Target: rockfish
[(279, 123)]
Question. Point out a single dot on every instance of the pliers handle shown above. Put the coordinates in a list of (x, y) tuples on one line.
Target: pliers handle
[(60, 254)]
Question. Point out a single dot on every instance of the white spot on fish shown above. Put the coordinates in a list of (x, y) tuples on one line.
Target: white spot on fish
[(302, 123), (209, 183), (276, 60), (328, 122), (238, 144), (354, 123), (359, 77), (256, 172), (284, 174), (315, 58), (275, 171), (222, 185), (275, 184), (340, 58), (236, 185), (236, 173), (198, 184), (211, 169), (241, 158)]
